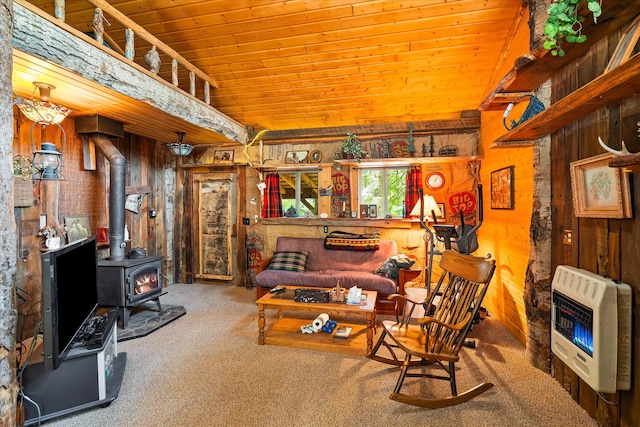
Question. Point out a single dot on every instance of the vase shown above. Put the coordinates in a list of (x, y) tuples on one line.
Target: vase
[(53, 243)]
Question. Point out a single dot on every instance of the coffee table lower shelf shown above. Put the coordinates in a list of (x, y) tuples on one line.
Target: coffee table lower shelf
[(286, 332)]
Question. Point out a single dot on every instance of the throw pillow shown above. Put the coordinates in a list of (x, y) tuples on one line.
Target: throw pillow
[(289, 261), (393, 264), (388, 269), (403, 261)]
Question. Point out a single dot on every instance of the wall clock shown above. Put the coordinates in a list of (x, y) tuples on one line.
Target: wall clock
[(435, 181)]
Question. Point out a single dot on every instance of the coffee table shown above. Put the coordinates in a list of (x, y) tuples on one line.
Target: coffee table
[(286, 330)]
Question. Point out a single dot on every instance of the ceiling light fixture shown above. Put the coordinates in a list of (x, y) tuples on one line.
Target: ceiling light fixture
[(179, 148), (43, 111)]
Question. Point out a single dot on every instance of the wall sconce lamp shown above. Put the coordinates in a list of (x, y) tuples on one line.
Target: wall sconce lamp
[(48, 160), (179, 148)]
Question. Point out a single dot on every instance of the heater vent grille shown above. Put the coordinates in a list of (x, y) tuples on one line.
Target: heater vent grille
[(591, 327)]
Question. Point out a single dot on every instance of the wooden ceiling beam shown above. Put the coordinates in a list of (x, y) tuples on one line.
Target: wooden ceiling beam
[(468, 122)]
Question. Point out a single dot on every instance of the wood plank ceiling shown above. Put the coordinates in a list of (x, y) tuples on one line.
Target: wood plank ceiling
[(286, 65)]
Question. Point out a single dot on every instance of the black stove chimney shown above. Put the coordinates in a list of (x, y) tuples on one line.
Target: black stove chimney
[(99, 129)]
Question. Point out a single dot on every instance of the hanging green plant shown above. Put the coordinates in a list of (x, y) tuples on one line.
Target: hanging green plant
[(564, 23)]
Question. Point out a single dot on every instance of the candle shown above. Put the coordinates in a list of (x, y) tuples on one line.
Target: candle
[(344, 206)]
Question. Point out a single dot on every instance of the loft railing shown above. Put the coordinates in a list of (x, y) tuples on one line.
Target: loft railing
[(133, 30)]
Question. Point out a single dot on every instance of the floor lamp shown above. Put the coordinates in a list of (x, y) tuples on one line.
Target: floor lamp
[(427, 203)]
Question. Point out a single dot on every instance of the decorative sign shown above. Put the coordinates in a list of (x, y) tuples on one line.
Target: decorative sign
[(340, 184), (400, 149), (254, 258), (465, 201)]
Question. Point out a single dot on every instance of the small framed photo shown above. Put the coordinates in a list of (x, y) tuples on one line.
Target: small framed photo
[(600, 191), (442, 211), (223, 156), (316, 156), (294, 157), (77, 227), (502, 188), (364, 211), (373, 211)]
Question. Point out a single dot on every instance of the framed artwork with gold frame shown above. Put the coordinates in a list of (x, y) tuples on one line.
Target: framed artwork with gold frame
[(600, 191)]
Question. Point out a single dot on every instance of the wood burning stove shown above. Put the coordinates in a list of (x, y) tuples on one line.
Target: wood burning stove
[(128, 283)]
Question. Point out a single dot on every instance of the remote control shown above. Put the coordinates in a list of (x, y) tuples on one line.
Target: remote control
[(277, 289)]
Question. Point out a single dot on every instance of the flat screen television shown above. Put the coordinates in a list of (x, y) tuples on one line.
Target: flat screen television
[(69, 295)]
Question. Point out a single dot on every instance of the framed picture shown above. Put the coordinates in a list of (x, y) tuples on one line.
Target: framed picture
[(77, 227), (364, 211), (294, 157), (316, 156), (502, 188), (442, 212), (599, 191), (373, 211), (223, 156)]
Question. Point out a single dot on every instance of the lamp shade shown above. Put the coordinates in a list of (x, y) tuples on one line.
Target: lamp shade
[(429, 204), (180, 148), (43, 111)]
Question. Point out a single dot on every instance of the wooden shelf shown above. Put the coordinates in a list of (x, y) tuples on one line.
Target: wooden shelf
[(630, 163), (534, 68), (286, 332), (619, 83), (408, 161)]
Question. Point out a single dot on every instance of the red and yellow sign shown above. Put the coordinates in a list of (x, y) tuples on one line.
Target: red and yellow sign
[(464, 201), (340, 184)]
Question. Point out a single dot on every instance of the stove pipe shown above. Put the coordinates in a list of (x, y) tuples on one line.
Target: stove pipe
[(117, 173), (99, 130)]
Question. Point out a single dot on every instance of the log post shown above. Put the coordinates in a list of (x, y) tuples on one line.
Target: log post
[(537, 289)]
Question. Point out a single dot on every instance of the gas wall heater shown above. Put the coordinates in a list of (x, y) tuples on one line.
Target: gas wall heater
[(591, 327)]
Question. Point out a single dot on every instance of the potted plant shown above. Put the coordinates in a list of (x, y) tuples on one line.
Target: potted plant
[(352, 148), (565, 23)]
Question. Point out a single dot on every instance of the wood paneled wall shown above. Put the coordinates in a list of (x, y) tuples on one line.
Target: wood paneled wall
[(608, 247), (505, 233), (83, 192)]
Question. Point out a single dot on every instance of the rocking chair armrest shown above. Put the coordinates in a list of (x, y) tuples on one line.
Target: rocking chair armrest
[(457, 326), (398, 296)]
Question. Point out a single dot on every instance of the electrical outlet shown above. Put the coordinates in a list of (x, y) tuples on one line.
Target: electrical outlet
[(246, 221), (326, 229)]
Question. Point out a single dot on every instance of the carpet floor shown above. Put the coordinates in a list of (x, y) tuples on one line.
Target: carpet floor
[(207, 369)]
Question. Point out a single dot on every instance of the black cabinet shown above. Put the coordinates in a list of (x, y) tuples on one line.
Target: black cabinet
[(84, 379)]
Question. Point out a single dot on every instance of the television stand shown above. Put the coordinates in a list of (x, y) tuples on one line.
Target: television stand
[(86, 378)]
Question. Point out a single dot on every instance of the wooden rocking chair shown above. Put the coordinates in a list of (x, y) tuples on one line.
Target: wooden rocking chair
[(437, 338)]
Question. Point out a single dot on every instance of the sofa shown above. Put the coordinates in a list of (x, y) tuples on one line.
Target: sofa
[(305, 262)]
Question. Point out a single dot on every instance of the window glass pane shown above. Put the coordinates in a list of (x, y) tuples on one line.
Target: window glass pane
[(371, 188), (384, 188), (397, 186), (299, 191)]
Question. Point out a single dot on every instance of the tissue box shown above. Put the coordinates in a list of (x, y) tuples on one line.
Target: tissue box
[(311, 295)]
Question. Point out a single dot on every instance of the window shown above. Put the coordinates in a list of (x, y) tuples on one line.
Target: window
[(299, 191), (385, 188)]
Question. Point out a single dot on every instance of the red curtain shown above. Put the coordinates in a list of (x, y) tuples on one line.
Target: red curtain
[(414, 182), (272, 202)]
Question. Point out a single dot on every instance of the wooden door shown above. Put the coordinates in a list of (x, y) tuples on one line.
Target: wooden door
[(215, 234)]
